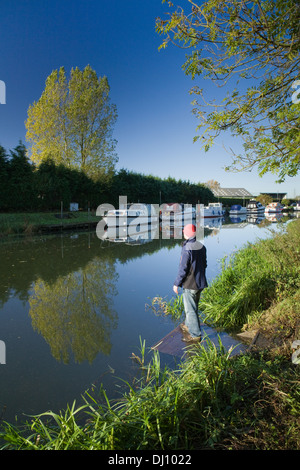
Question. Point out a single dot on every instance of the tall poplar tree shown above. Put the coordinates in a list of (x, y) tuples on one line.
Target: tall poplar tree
[(72, 123)]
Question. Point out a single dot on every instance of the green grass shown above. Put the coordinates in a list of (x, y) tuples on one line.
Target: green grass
[(253, 279), (211, 402), (173, 308), (27, 223)]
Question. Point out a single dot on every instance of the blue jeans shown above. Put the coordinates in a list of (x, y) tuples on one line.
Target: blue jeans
[(190, 301)]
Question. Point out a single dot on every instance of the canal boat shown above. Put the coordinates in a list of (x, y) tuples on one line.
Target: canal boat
[(274, 208), (177, 212), (214, 209), (255, 207), (237, 210), (297, 207), (134, 214)]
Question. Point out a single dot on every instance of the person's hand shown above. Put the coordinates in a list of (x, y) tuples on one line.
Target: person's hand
[(175, 289)]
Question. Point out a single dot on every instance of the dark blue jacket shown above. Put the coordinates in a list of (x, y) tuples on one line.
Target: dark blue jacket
[(193, 263)]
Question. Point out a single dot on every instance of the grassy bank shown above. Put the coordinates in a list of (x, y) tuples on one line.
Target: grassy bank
[(212, 402), (249, 401), (28, 223), (258, 287)]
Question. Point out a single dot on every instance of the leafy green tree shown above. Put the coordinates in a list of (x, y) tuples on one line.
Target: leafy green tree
[(250, 47), (264, 199), (73, 122)]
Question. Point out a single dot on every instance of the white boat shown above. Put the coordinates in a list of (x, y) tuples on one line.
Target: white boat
[(297, 207), (237, 210), (274, 208), (174, 212), (255, 207), (135, 214), (214, 209)]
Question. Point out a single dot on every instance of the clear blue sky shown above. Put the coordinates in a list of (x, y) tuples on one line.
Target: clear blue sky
[(155, 126)]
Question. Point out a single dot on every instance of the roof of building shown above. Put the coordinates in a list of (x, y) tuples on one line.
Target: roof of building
[(274, 195), (231, 192)]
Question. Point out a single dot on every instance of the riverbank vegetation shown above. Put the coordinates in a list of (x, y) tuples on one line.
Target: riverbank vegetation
[(28, 223), (212, 400), (254, 281)]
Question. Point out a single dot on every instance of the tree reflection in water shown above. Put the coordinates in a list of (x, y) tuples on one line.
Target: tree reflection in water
[(74, 313)]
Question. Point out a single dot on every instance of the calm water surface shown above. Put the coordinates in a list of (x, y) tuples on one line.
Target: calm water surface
[(72, 310)]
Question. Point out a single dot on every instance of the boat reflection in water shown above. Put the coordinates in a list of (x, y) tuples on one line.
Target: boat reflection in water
[(132, 234), (238, 219), (255, 219), (274, 217)]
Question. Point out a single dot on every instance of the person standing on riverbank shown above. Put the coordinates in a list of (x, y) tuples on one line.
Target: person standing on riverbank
[(192, 278)]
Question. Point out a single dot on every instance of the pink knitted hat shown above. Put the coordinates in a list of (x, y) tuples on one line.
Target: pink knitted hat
[(189, 230)]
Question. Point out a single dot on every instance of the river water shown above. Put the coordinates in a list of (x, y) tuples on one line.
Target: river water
[(73, 309)]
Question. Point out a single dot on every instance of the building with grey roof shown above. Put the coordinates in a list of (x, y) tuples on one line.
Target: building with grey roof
[(231, 192)]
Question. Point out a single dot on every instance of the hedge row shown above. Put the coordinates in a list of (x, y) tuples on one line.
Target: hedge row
[(23, 187)]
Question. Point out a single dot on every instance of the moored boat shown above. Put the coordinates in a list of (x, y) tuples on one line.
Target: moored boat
[(274, 208), (237, 210), (297, 207), (138, 214), (174, 212), (214, 209), (255, 207)]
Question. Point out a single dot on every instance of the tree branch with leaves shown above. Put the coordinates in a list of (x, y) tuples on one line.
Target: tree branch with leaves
[(251, 49)]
